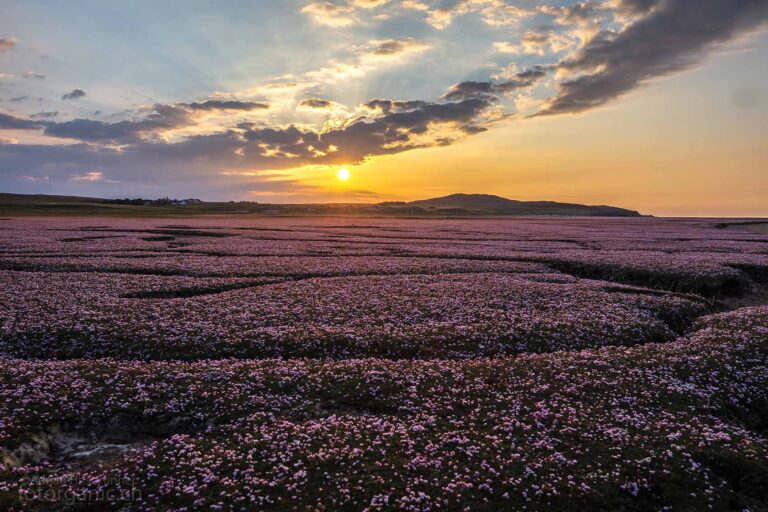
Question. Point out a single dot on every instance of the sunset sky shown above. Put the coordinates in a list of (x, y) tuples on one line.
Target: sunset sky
[(655, 105)]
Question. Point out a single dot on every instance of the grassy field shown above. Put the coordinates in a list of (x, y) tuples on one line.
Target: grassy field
[(36, 205), (457, 205), (761, 227)]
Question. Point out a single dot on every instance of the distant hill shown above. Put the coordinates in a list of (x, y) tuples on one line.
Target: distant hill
[(495, 205), (455, 205)]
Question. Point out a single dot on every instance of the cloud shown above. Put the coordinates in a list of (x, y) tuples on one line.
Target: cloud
[(184, 141), (160, 117), (500, 14), (45, 115), (97, 131), (533, 74), (490, 91), (7, 43), (330, 14), (579, 13), (317, 103), (494, 13), (150, 123), (369, 4), (33, 74), (341, 13), (392, 47), (389, 127), (76, 94), (19, 98), (470, 89), (583, 20), (36, 179), (387, 106), (637, 6), (5, 76), (542, 40), (89, 176), (369, 57), (210, 105), (414, 5), (441, 16), (674, 35), (506, 47), (537, 41), (10, 122), (427, 124)]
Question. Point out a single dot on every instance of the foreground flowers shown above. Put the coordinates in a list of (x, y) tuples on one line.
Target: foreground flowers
[(675, 424), (395, 389)]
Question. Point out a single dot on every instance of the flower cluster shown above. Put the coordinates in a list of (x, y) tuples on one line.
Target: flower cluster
[(452, 315), (652, 426), (393, 364)]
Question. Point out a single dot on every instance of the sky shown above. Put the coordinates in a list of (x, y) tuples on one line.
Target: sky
[(655, 105)]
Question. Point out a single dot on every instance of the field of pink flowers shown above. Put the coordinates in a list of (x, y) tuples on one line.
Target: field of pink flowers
[(382, 364)]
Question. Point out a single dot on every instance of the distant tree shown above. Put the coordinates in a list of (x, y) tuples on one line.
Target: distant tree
[(163, 201), (128, 201)]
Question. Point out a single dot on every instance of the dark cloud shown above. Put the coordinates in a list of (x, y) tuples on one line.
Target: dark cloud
[(405, 125), (389, 48), (674, 35), (91, 130), (638, 6), (152, 119), (7, 43), (416, 120), (402, 125), (159, 117), (392, 132), (470, 89), (396, 46), (392, 126), (155, 118), (399, 131), (277, 136), (387, 106), (45, 115), (225, 105), (76, 94), (490, 91), (533, 74), (19, 98), (10, 122), (316, 103)]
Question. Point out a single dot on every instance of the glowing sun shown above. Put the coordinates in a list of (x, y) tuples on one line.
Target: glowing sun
[(343, 174)]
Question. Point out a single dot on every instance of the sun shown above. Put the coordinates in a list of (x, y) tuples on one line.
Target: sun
[(343, 174)]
